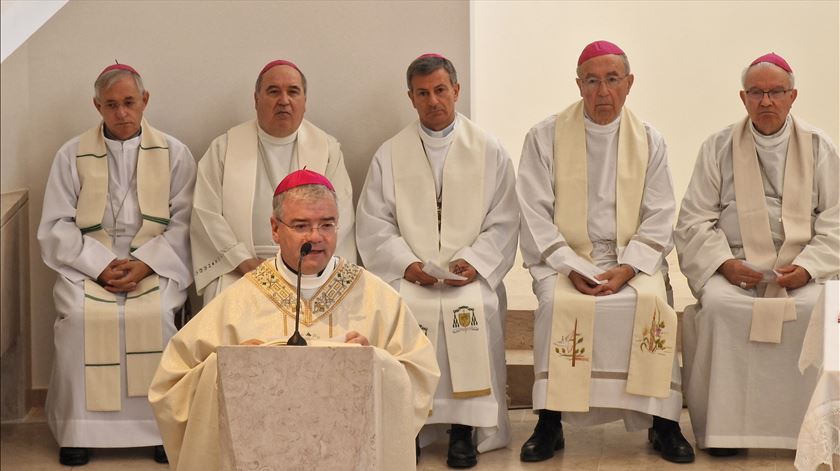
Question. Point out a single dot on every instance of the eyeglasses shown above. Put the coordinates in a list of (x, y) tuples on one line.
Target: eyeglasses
[(304, 228), (757, 94), (612, 82)]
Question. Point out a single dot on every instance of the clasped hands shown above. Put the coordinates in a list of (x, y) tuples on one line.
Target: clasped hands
[(737, 273), (122, 275), (350, 337), (616, 278), (415, 274)]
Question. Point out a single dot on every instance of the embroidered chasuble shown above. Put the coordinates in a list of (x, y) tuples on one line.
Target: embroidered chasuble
[(655, 324), (240, 172), (437, 237), (773, 306), (314, 312), (143, 334)]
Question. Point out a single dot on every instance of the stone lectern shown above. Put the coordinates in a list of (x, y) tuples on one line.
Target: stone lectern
[(324, 406)]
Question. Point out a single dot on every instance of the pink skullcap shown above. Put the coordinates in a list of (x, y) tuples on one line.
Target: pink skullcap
[(430, 54), (302, 177), (598, 48), (279, 62), (118, 67), (774, 59)]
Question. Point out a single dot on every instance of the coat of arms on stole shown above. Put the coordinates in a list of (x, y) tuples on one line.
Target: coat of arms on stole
[(463, 319)]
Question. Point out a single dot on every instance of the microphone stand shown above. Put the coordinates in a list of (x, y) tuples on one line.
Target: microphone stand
[(296, 339)]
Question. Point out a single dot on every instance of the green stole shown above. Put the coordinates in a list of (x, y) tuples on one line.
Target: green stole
[(143, 331)]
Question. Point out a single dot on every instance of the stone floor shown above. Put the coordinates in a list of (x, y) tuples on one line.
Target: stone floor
[(29, 446)]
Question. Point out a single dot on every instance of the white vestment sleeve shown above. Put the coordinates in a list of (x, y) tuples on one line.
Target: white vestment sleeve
[(383, 249), (493, 252), (63, 247), (702, 246), (168, 254), (215, 248), (653, 240), (821, 256), (540, 239)]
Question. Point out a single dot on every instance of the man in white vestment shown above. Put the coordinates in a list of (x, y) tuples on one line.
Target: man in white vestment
[(115, 227), (757, 236), (339, 302), (229, 230), (437, 220), (597, 207)]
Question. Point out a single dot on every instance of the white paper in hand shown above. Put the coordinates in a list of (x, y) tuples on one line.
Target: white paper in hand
[(766, 275), (586, 270), (434, 270)]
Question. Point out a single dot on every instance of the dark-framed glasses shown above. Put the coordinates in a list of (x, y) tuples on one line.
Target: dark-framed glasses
[(304, 228), (757, 94), (592, 83)]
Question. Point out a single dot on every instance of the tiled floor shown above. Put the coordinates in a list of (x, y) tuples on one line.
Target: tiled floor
[(29, 446)]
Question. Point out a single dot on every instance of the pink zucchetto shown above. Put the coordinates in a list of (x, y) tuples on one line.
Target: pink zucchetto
[(118, 66), (774, 59), (276, 63), (598, 48), (302, 177), (430, 54)]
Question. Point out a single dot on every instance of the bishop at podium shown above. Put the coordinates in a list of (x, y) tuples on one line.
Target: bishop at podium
[(339, 301)]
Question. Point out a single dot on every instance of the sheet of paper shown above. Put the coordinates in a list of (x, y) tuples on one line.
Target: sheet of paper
[(433, 269), (767, 275), (586, 269)]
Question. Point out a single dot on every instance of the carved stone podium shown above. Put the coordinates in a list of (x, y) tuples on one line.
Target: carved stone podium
[(316, 407)]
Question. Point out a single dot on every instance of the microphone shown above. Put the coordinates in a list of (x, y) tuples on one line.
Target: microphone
[(296, 339)]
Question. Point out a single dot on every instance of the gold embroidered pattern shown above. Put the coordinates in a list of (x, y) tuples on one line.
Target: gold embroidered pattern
[(326, 299), (569, 346)]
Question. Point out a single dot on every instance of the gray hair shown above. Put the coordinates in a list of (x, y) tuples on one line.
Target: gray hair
[(764, 65), (429, 64), (106, 80), (623, 59), (259, 81), (308, 193)]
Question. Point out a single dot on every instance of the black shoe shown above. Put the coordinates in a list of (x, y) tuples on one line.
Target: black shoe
[(462, 453), (70, 456), (160, 454), (668, 440), (720, 452), (547, 437)]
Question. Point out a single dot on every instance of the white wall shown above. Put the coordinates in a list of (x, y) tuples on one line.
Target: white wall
[(199, 61), (686, 56)]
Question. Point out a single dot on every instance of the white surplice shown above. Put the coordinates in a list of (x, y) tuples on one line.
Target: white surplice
[(76, 257), (546, 254), (276, 159), (386, 253), (744, 394)]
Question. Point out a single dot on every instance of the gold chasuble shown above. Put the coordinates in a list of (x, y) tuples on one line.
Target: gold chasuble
[(143, 332), (438, 237), (315, 311), (655, 325), (773, 306)]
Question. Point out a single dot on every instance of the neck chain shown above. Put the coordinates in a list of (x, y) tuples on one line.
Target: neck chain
[(115, 230)]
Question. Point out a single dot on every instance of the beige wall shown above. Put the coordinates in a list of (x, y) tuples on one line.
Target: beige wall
[(199, 61), (686, 56)]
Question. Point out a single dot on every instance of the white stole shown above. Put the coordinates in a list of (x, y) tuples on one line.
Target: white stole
[(774, 306), (655, 324), (143, 332), (240, 173), (462, 215)]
